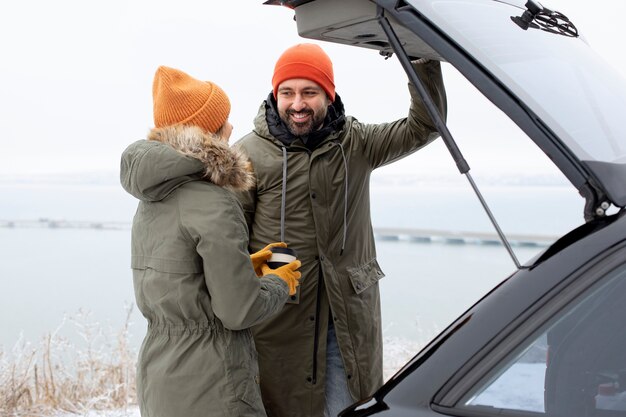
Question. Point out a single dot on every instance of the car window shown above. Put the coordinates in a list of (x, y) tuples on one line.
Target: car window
[(577, 367)]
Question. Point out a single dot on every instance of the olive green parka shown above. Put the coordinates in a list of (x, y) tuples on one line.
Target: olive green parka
[(193, 278), (326, 219)]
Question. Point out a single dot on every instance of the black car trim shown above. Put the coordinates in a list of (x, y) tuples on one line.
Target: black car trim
[(528, 324), (365, 408), (493, 90), (612, 175), (292, 4), (574, 236)]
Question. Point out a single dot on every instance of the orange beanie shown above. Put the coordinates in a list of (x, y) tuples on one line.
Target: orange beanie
[(305, 60), (180, 99)]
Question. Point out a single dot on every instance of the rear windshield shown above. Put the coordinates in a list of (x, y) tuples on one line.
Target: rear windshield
[(560, 78)]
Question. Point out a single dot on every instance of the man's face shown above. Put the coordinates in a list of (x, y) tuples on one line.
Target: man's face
[(302, 105)]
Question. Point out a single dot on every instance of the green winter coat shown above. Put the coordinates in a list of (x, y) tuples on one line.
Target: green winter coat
[(193, 278), (320, 218)]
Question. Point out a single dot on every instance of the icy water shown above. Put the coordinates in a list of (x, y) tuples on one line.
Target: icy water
[(47, 274)]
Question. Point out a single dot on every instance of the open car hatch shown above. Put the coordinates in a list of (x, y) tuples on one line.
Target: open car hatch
[(494, 45)]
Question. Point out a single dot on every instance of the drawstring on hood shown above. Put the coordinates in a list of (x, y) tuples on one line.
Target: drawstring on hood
[(283, 197), (335, 119)]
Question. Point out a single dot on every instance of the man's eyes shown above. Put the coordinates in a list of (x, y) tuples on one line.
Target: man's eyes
[(311, 93)]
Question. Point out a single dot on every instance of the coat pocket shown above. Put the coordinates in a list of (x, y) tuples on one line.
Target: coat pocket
[(364, 276), (243, 371)]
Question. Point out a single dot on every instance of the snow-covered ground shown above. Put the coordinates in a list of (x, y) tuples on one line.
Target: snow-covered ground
[(520, 388), (396, 353)]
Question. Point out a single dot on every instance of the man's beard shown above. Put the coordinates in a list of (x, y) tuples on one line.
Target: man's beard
[(303, 129)]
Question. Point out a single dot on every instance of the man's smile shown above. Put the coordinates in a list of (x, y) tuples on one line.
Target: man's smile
[(300, 117)]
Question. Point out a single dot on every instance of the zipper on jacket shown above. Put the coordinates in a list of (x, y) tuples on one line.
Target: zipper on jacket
[(316, 337)]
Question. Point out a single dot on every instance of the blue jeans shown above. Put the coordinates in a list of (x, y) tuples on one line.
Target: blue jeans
[(337, 392)]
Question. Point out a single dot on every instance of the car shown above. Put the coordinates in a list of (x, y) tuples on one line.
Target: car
[(549, 339)]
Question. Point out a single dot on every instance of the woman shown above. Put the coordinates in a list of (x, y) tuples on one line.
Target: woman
[(194, 280)]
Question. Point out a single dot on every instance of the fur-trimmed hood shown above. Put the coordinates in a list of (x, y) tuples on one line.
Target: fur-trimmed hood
[(172, 156)]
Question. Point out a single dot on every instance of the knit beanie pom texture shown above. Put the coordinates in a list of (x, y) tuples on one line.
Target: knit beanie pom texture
[(179, 99), (308, 61)]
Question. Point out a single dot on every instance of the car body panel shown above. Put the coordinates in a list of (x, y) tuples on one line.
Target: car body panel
[(439, 375)]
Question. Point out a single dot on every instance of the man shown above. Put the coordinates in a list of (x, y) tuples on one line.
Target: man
[(323, 351)]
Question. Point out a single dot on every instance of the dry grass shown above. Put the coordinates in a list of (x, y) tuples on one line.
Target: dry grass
[(95, 373)]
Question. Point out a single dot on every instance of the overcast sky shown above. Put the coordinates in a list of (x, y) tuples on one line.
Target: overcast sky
[(76, 75)]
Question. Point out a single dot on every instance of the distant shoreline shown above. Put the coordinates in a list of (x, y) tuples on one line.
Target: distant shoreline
[(45, 223), (381, 233), (379, 178)]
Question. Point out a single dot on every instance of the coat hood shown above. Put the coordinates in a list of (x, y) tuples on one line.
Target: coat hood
[(174, 155)]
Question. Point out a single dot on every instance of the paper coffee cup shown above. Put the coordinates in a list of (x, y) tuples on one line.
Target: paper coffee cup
[(281, 256)]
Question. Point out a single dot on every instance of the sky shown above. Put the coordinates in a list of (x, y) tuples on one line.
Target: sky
[(76, 76)]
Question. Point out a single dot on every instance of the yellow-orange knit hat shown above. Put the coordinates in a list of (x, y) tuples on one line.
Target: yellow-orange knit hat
[(305, 60), (180, 99)]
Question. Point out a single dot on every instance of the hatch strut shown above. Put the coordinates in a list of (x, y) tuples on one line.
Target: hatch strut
[(439, 123)]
